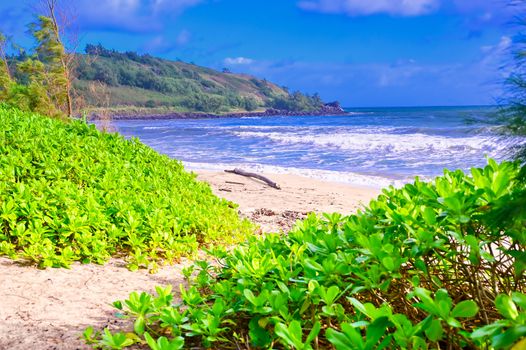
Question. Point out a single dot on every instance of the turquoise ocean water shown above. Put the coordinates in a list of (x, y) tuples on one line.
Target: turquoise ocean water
[(371, 146)]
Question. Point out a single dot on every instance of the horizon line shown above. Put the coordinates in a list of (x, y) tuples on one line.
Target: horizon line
[(423, 106)]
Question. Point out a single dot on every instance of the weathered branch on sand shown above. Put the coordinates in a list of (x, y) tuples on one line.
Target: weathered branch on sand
[(256, 176)]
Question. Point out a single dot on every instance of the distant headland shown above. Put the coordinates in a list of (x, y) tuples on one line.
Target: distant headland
[(130, 85), (329, 109)]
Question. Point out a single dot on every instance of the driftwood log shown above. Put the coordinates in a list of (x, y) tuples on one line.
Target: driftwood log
[(256, 176), (234, 183)]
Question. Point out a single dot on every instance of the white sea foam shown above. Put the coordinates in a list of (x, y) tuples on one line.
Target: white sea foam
[(268, 127), (363, 152), (385, 142), (325, 175), (157, 127)]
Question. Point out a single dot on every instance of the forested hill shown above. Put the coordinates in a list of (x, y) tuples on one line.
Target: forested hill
[(110, 79)]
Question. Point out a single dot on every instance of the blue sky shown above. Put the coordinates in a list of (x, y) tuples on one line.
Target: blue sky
[(360, 52)]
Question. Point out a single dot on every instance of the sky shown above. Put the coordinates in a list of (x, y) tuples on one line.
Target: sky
[(359, 52)]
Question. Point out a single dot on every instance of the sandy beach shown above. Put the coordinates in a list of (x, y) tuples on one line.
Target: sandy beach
[(277, 210), (49, 309)]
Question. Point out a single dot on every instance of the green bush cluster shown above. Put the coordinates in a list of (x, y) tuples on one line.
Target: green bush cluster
[(69, 192), (297, 102), (426, 266)]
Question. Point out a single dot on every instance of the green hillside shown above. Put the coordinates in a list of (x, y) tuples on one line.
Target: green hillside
[(144, 81)]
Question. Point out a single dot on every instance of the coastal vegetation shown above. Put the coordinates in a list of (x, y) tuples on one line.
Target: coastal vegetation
[(53, 81), (431, 265), (426, 266), (39, 82), (144, 81), (102, 81), (513, 101), (71, 193)]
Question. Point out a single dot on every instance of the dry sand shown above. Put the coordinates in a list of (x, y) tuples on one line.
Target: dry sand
[(49, 309), (277, 210)]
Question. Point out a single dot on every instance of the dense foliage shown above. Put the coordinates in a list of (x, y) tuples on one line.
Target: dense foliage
[(513, 101), (39, 82), (512, 112), (147, 81), (422, 267), (69, 192)]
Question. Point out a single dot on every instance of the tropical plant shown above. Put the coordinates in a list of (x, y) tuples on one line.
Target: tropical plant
[(422, 267), (512, 111), (47, 71), (71, 193), (45, 84), (6, 80)]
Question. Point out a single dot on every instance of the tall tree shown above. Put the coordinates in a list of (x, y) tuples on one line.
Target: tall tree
[(42, 94), (513, 115), (55, 71), (43, 80), (513, 103), (64, 59), (5, 76)]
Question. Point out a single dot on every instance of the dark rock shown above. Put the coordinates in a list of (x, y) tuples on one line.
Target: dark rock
[(334, 107)]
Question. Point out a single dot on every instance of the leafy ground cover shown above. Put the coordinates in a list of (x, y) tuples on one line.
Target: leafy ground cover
[(437, 265), (71, 193)]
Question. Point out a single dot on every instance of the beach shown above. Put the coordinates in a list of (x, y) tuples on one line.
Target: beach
[(277, 210), (49, 309), (322, 165), (303, 175), (374, 147)]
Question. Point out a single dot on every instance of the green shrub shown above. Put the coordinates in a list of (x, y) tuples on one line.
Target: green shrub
[(69, 192), (422, 267)]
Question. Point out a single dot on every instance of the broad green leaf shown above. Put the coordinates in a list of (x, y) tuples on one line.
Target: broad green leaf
[(466, 308), (429, 215), (138, 325), (519, 299), (435, 331), (486, 331), (388, 263), (313, 333), (509, 337), (506, 306)]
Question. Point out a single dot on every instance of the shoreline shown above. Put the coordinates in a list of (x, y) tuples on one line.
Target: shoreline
[(347, 178), (278, 210), (203, 115)]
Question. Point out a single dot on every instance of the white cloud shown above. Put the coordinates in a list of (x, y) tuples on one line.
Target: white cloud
[(130, 15), (238, 61), (497, 51), (173, 5), (121, 5), (183, 37), (370, 7), (496, 56), (401, 83), (504, 43), (160, 44)]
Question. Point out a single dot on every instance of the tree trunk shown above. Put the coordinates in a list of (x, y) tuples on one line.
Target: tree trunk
[(51, 4)]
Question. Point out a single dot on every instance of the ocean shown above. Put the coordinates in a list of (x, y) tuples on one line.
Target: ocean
[(370, 147)]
